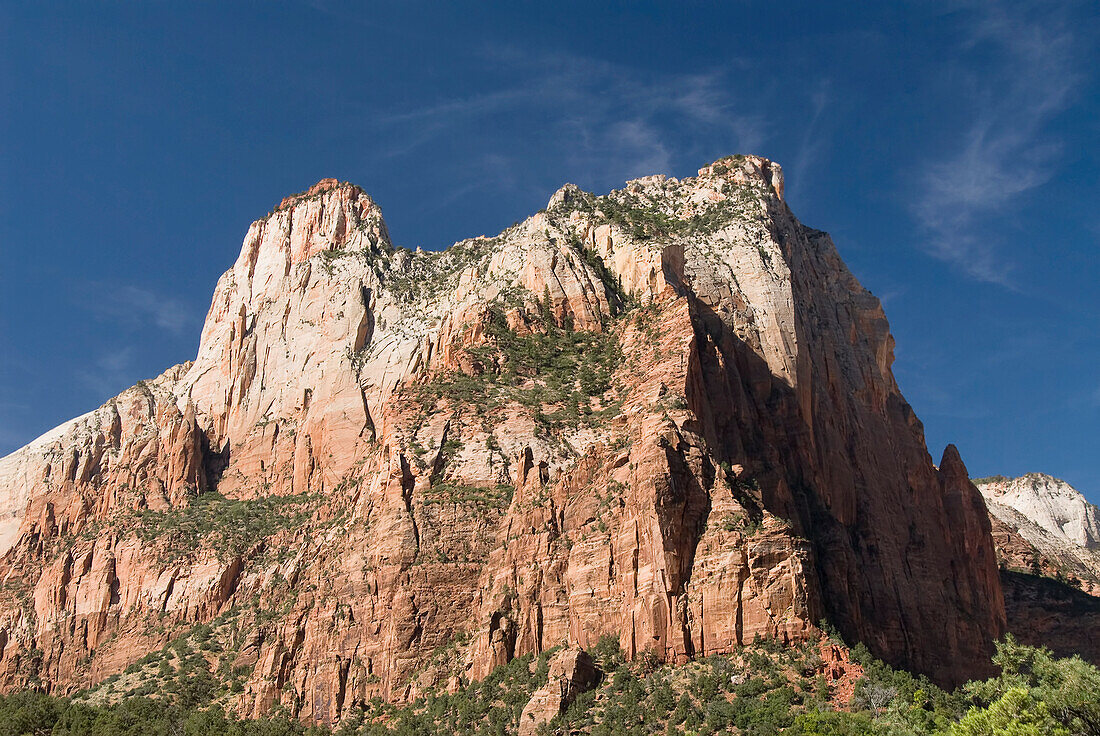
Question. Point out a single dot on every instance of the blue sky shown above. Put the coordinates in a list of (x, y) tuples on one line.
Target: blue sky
[(950, 149)]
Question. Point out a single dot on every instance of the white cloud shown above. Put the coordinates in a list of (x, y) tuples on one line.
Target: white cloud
[(1007, 150), (605, 119)]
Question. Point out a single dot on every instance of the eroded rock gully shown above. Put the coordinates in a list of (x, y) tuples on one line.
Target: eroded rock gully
[(665, 415)]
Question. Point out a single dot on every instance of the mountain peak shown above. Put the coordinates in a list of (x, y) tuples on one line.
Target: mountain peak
[(677, 373), (1049, 502), (740, 168), (330, 215), (321, 187)]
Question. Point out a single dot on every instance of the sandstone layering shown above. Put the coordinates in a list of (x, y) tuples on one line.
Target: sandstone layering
[(665, 415)]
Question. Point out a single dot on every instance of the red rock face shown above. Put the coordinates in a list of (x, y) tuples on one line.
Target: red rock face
[(491, 441), (841, 673)]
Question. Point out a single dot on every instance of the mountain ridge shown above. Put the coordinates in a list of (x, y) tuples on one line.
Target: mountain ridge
[(665, 414)]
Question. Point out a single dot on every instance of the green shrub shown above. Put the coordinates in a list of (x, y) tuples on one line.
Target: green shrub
[(554, 370), (229, 526)]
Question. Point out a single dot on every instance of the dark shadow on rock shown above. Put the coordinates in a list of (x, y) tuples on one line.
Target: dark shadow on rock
[(1046, 612)]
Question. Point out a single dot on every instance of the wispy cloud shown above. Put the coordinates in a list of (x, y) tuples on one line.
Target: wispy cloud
[(813, 144), (1007, 149), (604, 118), (108, 373), (137, 307)]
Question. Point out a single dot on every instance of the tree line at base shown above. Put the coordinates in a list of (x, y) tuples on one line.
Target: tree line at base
[(763, 689)]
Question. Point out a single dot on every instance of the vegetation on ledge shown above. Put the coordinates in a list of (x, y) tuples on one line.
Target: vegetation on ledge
[(558, 373), (229, 526)]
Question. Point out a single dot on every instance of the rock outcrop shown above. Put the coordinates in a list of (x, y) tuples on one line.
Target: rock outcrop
[(841, 673), (571, 673), (1045, 612), (665, 415)]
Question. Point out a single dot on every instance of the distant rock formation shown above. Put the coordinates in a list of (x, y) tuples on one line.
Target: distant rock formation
[(1044, 525), (1045, 532), (1048, 502)]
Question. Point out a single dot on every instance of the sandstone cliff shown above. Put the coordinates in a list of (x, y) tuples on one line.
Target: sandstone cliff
[(665, 414)]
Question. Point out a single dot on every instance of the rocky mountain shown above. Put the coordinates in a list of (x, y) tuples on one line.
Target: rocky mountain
[(1044, 525), (1051, 504), (1046, 532), (664, 415)]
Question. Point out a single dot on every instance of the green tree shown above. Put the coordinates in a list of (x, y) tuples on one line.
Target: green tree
[(1068, 688), (1016, 713), (832, 723)]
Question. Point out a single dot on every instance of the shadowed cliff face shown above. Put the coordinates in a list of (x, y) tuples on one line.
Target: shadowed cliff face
[(1049, 613), (665, 414)]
